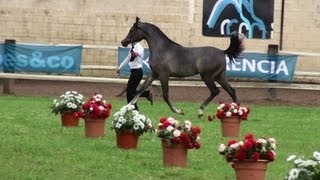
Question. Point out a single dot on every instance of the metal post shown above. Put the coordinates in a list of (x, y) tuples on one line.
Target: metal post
[(8, 67), (273, 49)]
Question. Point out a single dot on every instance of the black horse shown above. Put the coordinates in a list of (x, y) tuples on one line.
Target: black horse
[(169, 59)]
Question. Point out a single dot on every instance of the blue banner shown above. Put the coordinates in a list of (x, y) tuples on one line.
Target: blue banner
[(248, 65), (263, 66), (40, 58)]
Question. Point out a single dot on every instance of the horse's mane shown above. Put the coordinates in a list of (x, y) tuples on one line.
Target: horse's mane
[(161, 33)]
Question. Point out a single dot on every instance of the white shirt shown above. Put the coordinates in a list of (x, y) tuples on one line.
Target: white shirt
[(137, 62)]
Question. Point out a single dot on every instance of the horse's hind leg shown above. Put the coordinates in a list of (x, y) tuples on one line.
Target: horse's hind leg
[(226, 86), (165, 92), (214, 91)]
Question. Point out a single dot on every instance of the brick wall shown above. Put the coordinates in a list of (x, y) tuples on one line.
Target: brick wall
[(106, 22)]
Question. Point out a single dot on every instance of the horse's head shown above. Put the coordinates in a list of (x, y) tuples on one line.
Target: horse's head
[(135, 34)]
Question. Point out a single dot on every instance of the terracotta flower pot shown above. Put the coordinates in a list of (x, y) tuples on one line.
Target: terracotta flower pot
[(94, 127), (127, 140), (230, 126), (174, 154), (250, 169), (68, 120)]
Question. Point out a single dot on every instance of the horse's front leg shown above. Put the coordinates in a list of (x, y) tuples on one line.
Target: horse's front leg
[(144, 86), (165, 92)]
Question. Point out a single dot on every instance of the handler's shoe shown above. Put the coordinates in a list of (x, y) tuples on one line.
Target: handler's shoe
[(150, 98)]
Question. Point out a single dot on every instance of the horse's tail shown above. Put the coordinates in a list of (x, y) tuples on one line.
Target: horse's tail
[(236, 46)]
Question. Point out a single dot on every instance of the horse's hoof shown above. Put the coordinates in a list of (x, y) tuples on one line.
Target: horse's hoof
[(200, 113), (178, 111)]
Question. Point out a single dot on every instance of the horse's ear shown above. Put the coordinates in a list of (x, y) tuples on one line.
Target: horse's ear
[(137, 23), (137, 19)]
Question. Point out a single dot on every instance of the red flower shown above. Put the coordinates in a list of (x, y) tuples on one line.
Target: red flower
[(163, 119), (196, 130), (241, 155), (256, 156), (197, 145), (220, 114), (270, 156), (247, 146), (226, 107), (248, 136), (166, 124)]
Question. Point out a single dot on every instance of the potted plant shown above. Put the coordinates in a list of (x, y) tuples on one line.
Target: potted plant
[(304, 168), (67, 105), (250, 156), (95, 112), (129, 124), (231, 115), (176, 140)]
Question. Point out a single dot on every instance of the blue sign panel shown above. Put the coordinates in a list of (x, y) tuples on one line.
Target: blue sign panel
[(40, 58), (125, 71), (263, 66), (1, 56), (248, 65)]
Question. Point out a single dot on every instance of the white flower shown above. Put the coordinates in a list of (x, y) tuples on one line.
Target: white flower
[(220, 107), (69, 105), (176, 133), (171, 120), (101, 108), (261, 141), (294, 173), (310, 163), (235, 111), (118, 125), (263, 149), (228, 114), (142, 125), (136, 127), (170, 128), (244, 109), (234, 146), (122, 120), (233, 104), (292, 157), (272, 140), (187, 124), (298, 161), (240, 112), (316, 155), (222, 148)]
